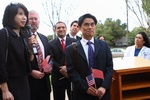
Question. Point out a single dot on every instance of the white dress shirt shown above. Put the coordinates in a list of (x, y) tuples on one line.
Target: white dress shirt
[(85, 46), (40, 43)]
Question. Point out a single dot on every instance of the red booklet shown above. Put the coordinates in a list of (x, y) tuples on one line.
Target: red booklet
[(47, 67), (97, 73)]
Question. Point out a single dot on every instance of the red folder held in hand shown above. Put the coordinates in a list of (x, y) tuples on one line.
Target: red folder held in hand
[(46, 66), (97, 73)]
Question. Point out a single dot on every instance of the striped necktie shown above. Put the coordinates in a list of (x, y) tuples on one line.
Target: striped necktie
[(40, 55)]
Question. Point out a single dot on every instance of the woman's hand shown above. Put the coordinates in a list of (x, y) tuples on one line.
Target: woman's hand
[(31, 41), (6, 94)]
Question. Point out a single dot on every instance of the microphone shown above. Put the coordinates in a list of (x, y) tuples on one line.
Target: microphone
[(28, 29), (35, 51)]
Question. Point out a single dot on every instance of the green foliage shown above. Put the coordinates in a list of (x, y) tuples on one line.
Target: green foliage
[(112, 30), (133, 33), (146, 6), (50, 37)]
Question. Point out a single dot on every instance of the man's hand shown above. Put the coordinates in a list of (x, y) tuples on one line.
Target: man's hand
[(37, 74), (92, 91), (63, 71), (100, 92)]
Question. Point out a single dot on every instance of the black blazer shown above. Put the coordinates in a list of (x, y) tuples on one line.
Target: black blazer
[(34, 63), (58, 57), (102, 61), (77, 37), (18, 64)]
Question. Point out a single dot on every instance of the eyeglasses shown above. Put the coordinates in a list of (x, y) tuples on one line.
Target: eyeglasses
[(33, 19)]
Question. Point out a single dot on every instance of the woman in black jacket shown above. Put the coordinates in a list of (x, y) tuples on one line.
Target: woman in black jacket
[(14, 69)]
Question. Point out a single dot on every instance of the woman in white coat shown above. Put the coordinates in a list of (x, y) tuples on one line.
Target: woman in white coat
[(141, 47)]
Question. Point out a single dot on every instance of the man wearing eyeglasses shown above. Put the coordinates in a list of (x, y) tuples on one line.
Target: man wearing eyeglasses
[(38, 80)]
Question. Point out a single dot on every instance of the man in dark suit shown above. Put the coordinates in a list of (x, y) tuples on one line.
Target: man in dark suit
[(90, 88), (60, 81), (74, 29), (38, 80)]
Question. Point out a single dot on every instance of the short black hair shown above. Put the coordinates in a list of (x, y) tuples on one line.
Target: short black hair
[(81, 19), (58, 23), (146, 39), (75, 21), (100, 36), (10, 12)]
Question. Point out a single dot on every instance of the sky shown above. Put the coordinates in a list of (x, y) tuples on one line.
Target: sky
[(102, 9)]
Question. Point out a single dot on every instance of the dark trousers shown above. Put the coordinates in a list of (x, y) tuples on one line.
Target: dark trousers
[(59, 90), (39, 89)]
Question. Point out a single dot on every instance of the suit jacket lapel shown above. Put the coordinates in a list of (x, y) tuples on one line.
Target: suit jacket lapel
[(58, 43), (96, 46), (80, 50), (41, 38), (67, 41)]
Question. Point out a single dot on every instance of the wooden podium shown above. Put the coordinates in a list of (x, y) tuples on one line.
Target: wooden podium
[(131, 79)]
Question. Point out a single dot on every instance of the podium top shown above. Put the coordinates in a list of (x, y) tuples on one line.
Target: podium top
[(127, 64)]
